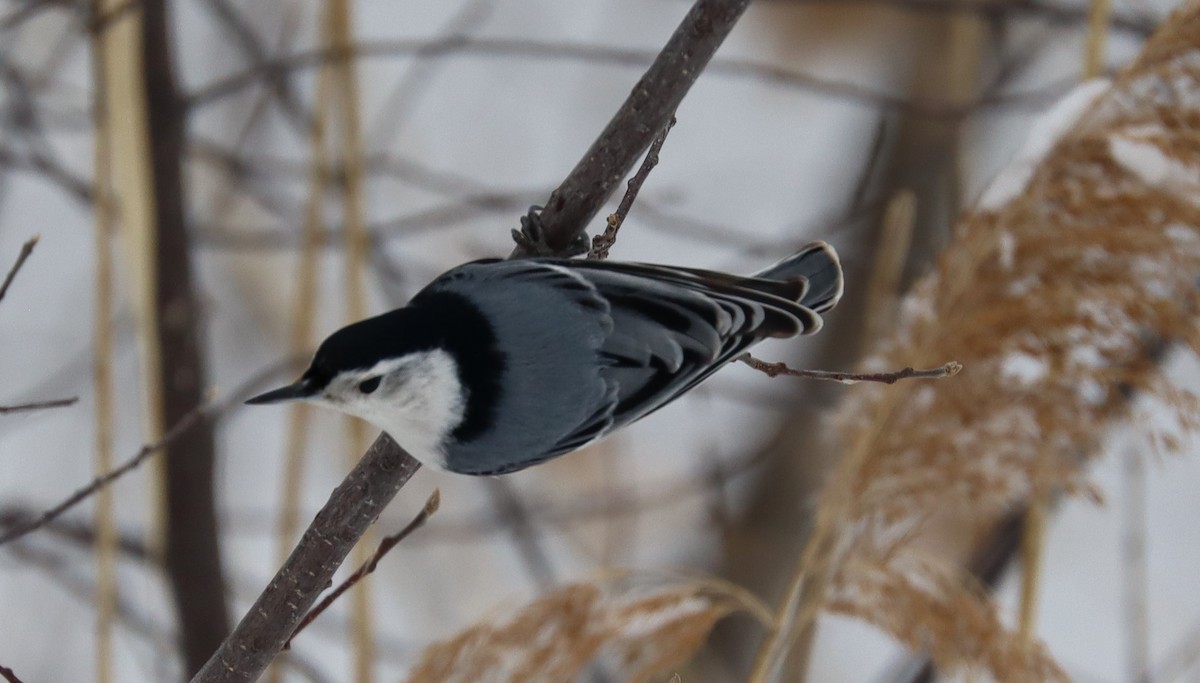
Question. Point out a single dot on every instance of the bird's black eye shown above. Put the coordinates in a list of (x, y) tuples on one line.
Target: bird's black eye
[(369, 385)]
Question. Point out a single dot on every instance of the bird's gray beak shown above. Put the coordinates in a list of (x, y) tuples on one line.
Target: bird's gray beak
[(292, 392)]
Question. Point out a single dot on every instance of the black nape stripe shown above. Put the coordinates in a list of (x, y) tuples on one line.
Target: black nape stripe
[(468, 336)]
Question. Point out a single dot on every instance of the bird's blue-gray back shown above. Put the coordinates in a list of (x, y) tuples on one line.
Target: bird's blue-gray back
[(551, 327)]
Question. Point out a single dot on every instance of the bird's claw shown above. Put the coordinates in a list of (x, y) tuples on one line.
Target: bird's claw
[(531, 238)]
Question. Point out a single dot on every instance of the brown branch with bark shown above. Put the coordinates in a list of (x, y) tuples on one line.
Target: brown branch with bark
[(8, 675), (385, 547), (385, 468), (352, 507)]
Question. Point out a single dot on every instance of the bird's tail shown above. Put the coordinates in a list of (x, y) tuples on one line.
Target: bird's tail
[(817, 263)]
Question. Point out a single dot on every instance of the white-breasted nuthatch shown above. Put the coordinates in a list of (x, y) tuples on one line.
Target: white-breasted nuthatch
[(499, 365)]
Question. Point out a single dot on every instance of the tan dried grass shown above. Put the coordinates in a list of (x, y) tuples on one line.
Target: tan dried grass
[(1058, 297), (636, 626), (928, 606), (102, 359)]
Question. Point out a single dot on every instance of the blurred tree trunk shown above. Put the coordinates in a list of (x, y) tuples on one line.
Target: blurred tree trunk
[(193, 558)]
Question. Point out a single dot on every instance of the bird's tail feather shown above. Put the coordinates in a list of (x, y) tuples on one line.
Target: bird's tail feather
[(817, 263)]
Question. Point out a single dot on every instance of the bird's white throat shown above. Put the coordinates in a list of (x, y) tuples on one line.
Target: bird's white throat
[(419, 403)]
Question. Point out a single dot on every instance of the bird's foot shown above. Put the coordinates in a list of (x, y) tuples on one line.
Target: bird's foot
[(531, 238)]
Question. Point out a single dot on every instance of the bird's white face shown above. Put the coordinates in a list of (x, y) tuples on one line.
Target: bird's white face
[(416, 398)]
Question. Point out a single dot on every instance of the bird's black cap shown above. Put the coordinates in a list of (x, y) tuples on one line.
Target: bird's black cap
[(432, 320), (354, 347)]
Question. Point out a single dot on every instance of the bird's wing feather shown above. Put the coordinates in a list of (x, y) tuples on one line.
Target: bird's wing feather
[(673, 327), (780, 300)]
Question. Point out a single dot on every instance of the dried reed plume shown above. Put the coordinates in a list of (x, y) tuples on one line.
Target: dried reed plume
[(1059, 296), (635, 626)]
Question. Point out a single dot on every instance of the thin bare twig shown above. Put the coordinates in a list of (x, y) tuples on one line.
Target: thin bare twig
[(80, 585), (8, 675), (1139, 23), (182, 426), (18, 529), (63, 571), (39, 405), (97, 23), (300, 119), (440, 217), (775, 369), (253, 48), (80, 532), (400, 104), (385, 546), (646, 111), (50, 169), (26, 250), (604, 241)]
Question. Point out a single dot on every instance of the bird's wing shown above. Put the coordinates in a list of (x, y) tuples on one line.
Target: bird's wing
[(663, 330), (673, 327)]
